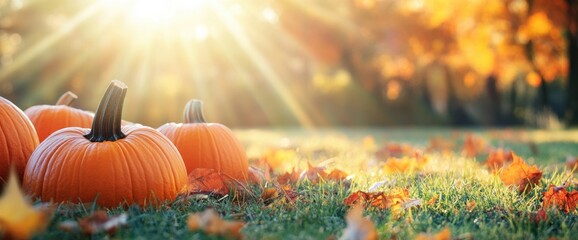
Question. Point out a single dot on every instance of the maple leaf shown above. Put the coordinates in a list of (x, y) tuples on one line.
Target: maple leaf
[(18, 219), (397, 200), (520, 174), (395, 150), (289, 177), (313, 173), (559, 197), (498, 158), (358, 227), (204, 180), (404, 165), (211, 223), (96, 222), (444, 234)]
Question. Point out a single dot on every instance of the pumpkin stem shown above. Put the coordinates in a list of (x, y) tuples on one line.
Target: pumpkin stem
[(66, 99), (107, 120), (194, 112)]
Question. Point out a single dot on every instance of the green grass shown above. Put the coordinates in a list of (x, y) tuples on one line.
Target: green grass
[(500, 212)]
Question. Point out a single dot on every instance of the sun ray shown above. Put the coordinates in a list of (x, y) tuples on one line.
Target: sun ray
[(42, 46), (261, 63)]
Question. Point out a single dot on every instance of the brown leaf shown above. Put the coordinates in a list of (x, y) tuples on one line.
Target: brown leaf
[(560, 198), (18, 219), (358, 227), (444, 234), (313, 174), (397, 200), (440, 144), (539, 216), (269, 195), (521, 174), (211, 223), (204, 180), (470, 205), (288, 177), (395, 150), (99, 221)]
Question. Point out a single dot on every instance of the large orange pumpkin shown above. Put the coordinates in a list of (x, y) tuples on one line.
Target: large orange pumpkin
[(108, 163), (17, 140), (49, 118), (207, 145)]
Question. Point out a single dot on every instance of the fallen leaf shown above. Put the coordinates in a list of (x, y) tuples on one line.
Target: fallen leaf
[(337, 176), (211, 223), (18, 218), (280, 159), (313, 174), (404, 164), (99, 221), (204, 180), (397, 200), (559, 197), (444, 234), (470, 205), (289, 193), (289, 177), (432, 200), (520, 174), (395, 150), (498, 158), (539, 216), (268, 195), (358, 227), (440, 144), (474, 145)]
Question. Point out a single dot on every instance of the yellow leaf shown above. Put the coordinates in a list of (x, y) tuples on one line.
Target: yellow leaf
[(521, 174), (18, 219)]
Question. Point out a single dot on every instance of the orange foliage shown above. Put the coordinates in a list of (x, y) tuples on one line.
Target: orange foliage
[(405, 164), (474, 145), (560, 198), (204, 180), (211, 223), (498, 158), (440, 144), (397, 200), (444, 234), (257, 176), (395, 150), (289, 177), (520, 174)]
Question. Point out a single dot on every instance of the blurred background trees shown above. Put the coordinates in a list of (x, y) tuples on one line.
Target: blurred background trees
[(313, 63)]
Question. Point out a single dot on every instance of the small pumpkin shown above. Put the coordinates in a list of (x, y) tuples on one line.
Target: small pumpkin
[(50, 118), (207, 145), (108, 163), (17, 140)]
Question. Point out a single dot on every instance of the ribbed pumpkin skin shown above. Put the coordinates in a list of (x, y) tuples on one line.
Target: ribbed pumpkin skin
[(208, 145), (142, 167), (50, 118), (17, 139)]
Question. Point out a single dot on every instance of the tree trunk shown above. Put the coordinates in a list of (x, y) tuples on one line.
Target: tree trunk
[(572, 88)]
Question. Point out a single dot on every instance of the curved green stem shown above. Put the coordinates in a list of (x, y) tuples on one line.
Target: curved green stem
[(66, 99), (194, 112), (107, 120)]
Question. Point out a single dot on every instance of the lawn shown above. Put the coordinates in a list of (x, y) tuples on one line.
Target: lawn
[(454, 191)]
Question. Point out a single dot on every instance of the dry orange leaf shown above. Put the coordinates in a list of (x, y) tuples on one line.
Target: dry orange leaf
[(470, 205), (18, 219), (289, 177), (560, 198), (444, 234), (440, 144), (395, 150), (432, 200), (397, 200), (358, 227), (498, 158), (268, 195), (204, 180), (337, 175), (211, 223), (404, 164), (520, 174), (313, 174)]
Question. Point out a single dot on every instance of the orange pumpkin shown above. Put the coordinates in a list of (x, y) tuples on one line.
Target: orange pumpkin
[(108, 163), (17, 140), (50, 118), (207, 145)]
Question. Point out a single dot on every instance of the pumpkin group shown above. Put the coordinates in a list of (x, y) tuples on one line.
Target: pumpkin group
[(17, 140), (207, 145), (50, 118), (109, 164)]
